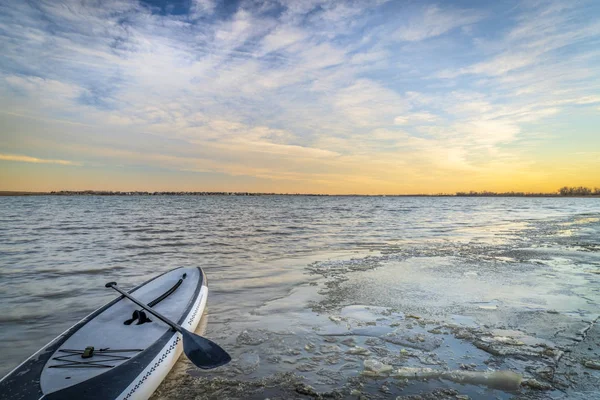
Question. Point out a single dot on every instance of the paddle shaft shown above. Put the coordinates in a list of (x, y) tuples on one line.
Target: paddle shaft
[(158, 315), (202, 352)]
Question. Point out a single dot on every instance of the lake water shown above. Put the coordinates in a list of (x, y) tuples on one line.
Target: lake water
[(302, 272)]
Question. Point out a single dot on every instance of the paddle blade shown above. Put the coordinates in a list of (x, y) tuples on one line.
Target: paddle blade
[(202, 352)]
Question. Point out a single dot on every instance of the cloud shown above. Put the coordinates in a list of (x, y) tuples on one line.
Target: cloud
[(200, 8), (35, 160), (546, 28), (435, 21), (583, 100), (281, 37), (415, 118), (49, 91), (487, 132), (367, 103)]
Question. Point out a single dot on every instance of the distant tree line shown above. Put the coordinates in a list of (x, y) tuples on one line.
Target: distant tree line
[(579, 191), (142, 193), (487, 193), (564, 191)]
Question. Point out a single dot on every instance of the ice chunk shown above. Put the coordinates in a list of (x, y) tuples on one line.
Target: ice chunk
[(330, 348), (503, 380), (357, 350), (376, 368), (418, 341), (593, 364), (248, 362), (251, 337)]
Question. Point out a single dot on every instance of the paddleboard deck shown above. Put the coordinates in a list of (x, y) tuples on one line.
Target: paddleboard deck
[(128, 361)]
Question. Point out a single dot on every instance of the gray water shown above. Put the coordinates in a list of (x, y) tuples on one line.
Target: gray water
[(56, 253)]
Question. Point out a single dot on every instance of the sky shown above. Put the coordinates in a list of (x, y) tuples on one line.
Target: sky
[(299, 96)]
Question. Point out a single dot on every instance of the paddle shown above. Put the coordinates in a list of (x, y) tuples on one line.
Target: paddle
[(202, 352)]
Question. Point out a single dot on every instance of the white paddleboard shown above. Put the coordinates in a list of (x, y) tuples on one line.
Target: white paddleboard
[(130, 357)]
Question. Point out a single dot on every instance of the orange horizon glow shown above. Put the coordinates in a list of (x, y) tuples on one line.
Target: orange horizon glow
[(47, 178)]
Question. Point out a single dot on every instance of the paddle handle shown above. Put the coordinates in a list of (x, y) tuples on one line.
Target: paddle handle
[(158, 315)]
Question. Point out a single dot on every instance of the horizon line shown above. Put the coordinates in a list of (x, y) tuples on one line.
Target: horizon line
[(574, 192)]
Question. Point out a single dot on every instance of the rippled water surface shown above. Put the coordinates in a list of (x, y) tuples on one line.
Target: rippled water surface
[(56, 253)]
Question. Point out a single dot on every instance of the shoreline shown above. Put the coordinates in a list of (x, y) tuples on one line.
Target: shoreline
[(10, 193)]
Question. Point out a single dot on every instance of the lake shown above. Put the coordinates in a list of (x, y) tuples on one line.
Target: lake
[(304, 290)]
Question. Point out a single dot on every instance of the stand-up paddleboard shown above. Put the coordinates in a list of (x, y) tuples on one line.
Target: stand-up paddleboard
[(122, 350)]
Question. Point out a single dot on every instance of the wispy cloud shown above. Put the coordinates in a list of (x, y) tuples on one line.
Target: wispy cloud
[(35, 160), (434, 21), (417, 117), (546, 28)]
